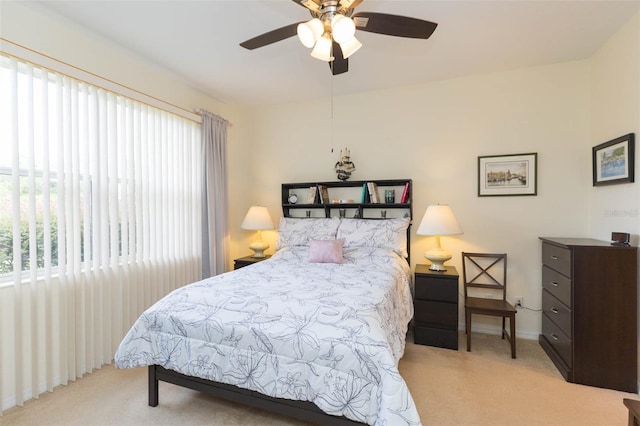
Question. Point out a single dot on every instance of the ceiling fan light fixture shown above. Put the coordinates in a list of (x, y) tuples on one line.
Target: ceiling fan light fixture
[(322, 49), (342, 28), (309, 32), (350, 47)]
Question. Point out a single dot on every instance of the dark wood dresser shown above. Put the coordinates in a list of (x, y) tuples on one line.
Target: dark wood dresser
[(589, 311), (436, 307)]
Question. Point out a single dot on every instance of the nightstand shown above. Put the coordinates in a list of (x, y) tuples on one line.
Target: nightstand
[(248, 260), (436, 307)]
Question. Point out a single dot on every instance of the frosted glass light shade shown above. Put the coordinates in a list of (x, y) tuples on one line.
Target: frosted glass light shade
[(342, 28), (438, 220), (350, 47), (309, 32), (322, 49)]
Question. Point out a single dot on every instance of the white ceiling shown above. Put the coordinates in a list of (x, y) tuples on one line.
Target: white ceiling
[(198, 40)]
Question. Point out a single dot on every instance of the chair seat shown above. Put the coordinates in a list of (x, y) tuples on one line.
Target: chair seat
[(489, 305)]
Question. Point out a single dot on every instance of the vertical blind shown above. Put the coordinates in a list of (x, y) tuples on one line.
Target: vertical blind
[(100, 204)]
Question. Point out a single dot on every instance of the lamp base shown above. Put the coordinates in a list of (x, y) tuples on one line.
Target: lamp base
[(258, 247), (437, 257)]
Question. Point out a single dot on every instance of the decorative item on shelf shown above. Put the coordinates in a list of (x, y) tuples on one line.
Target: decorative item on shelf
[(373, 192), (389, 196), (405, 193), (345, 166), (324, 194), (258, 219), (438, 220), (311, 199), (293, 198)]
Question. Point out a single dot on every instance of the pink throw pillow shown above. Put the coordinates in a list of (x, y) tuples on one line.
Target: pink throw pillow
[(326, 251)]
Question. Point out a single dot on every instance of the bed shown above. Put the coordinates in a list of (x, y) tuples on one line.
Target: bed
[(315, 331)]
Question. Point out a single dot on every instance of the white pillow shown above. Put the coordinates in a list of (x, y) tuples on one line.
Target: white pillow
[(299, 231), (389, 234)]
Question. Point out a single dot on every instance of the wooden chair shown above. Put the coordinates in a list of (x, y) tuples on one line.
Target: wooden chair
[(487, 273)]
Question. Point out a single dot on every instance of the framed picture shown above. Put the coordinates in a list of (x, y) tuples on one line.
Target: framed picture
[(514, 174), (613, 161)]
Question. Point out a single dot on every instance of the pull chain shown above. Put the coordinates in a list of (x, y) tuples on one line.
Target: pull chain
[(331, 113)]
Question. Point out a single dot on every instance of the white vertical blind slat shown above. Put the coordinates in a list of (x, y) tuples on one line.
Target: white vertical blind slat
[(107, 218)]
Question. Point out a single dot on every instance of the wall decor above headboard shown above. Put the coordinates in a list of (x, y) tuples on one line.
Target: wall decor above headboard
[(367, 199)]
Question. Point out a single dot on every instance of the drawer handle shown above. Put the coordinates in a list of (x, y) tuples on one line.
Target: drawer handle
[(554, 337), (554, 310), (555, 284), (554, 257)]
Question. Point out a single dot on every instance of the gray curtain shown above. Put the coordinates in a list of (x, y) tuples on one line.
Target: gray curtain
[(215, 216)]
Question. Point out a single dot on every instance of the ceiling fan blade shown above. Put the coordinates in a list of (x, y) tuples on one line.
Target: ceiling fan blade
[(394, 25), (271, 37), (312, 5), (340, 64)]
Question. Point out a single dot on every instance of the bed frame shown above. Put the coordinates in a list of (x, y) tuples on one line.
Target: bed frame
[(302, 410)]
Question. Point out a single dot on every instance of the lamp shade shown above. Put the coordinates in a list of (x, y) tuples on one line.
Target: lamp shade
[(439, 220), (257, 218)]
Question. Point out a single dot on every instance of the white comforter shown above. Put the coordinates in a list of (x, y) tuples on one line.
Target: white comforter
[(327, 333)]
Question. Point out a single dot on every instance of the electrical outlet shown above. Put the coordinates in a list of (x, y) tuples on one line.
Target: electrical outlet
[(519, 301)]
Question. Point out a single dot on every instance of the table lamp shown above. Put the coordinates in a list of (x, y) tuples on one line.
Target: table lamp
[(438, 220), (257, 219)]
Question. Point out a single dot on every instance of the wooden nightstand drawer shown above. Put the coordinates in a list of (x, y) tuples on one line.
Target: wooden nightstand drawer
[(436, 314), (436, 337), (440, 289)]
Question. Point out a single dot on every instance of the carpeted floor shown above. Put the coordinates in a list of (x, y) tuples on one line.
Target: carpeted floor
[(483, 387)]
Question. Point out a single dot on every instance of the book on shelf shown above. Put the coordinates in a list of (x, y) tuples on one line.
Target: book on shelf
[(324, 194), (364, 194), (311, 199), (405, 193), (373, 192)]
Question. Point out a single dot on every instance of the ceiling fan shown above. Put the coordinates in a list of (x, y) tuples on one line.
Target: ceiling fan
[(331, 31)]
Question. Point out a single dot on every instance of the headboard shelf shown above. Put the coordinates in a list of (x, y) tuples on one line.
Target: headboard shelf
[(358, 197)]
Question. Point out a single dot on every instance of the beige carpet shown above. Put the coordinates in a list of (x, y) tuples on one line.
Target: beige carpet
[(483, 387)]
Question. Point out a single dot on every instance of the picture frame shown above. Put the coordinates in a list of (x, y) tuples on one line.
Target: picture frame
[(508, 175), (613, 161)]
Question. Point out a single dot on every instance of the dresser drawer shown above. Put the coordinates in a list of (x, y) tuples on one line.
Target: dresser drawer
[(436, 314), (557, 284), (560, 342), (557, 312), (558, 258), (442, 289)]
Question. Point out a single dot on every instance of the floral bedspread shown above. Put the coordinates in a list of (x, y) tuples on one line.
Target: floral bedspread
[(328, 333)]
